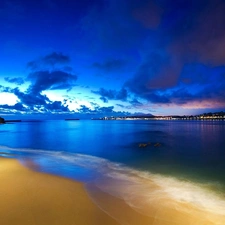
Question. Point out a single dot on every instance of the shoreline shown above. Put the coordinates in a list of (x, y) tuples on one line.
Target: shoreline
[(29, 197), (160, 209)]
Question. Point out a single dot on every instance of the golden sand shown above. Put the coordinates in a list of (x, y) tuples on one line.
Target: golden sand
[(32, 198)]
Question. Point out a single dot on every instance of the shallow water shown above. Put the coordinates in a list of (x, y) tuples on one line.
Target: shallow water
[(181, 177)]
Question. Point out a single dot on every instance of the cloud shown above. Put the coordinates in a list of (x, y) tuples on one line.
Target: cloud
[(196, 83), (101, 111), (157, 72), (185, 64), (51, 80), (5, 89), (107, 95), (200, 83), (47, 73), (85, 109), (15, 80), (150, 79), (199, 33), (49, 61), (32, 103), (121, 106), (17, 107), (29, 99), (97, 110), (136, 103), (56, 106), (109, 65)]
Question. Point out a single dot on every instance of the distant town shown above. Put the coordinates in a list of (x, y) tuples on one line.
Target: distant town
[(205, 116)]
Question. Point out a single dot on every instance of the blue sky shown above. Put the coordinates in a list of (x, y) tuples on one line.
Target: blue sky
[(95, 58)]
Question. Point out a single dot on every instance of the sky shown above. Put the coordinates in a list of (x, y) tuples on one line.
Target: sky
[(94, 58)]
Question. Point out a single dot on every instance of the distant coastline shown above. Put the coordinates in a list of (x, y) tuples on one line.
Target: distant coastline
[(71, 119), (220, 116), (2, 121), (205, 116), (13, 121)]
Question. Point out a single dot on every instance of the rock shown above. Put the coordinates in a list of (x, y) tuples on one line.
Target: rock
[(142, 145), (2, 120), (157, 144)]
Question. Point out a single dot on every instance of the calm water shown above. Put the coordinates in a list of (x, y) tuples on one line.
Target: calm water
[(188, 149), (189, 162)]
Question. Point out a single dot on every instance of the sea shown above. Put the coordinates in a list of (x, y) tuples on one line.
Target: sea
[(138, 161)]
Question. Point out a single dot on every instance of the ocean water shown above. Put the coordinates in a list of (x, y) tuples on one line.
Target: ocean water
[(183, 161)]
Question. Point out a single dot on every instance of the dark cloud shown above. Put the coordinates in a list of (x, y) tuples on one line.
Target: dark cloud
[(150, 79), (51, 80), (183, 65), (29, 99), (200, 83), (17, 107), (53, 76), (110, 65), (197, 83), (33, 103), (15, 80), (112, 94), (5, 89), (136, 103), (33, 100), (85, 109), (106, 109), (97, 110), (156, 72), (55, 58), (199, 33), (199, 74), (120, 105), (94, 104), (56, 106), (49, 61), (101, 111)]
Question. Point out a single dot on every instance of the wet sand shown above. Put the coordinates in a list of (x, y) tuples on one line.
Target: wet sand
[(32, 198), (159, 209)]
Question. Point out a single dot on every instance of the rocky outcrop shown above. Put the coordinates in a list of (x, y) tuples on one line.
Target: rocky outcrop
[(143, 145), (2, 120)]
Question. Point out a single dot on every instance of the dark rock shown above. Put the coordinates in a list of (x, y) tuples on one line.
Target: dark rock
[(2, 120)]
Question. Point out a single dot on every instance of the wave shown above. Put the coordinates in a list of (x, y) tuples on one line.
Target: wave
[(142, 190)]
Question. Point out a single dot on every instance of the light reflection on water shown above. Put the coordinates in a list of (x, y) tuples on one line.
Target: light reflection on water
[(189, 149)]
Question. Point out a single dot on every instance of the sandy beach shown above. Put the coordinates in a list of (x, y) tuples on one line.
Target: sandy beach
[(28, 197), (33, 198)]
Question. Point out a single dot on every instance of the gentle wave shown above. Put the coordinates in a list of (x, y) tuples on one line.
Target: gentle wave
[(142, 189)]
